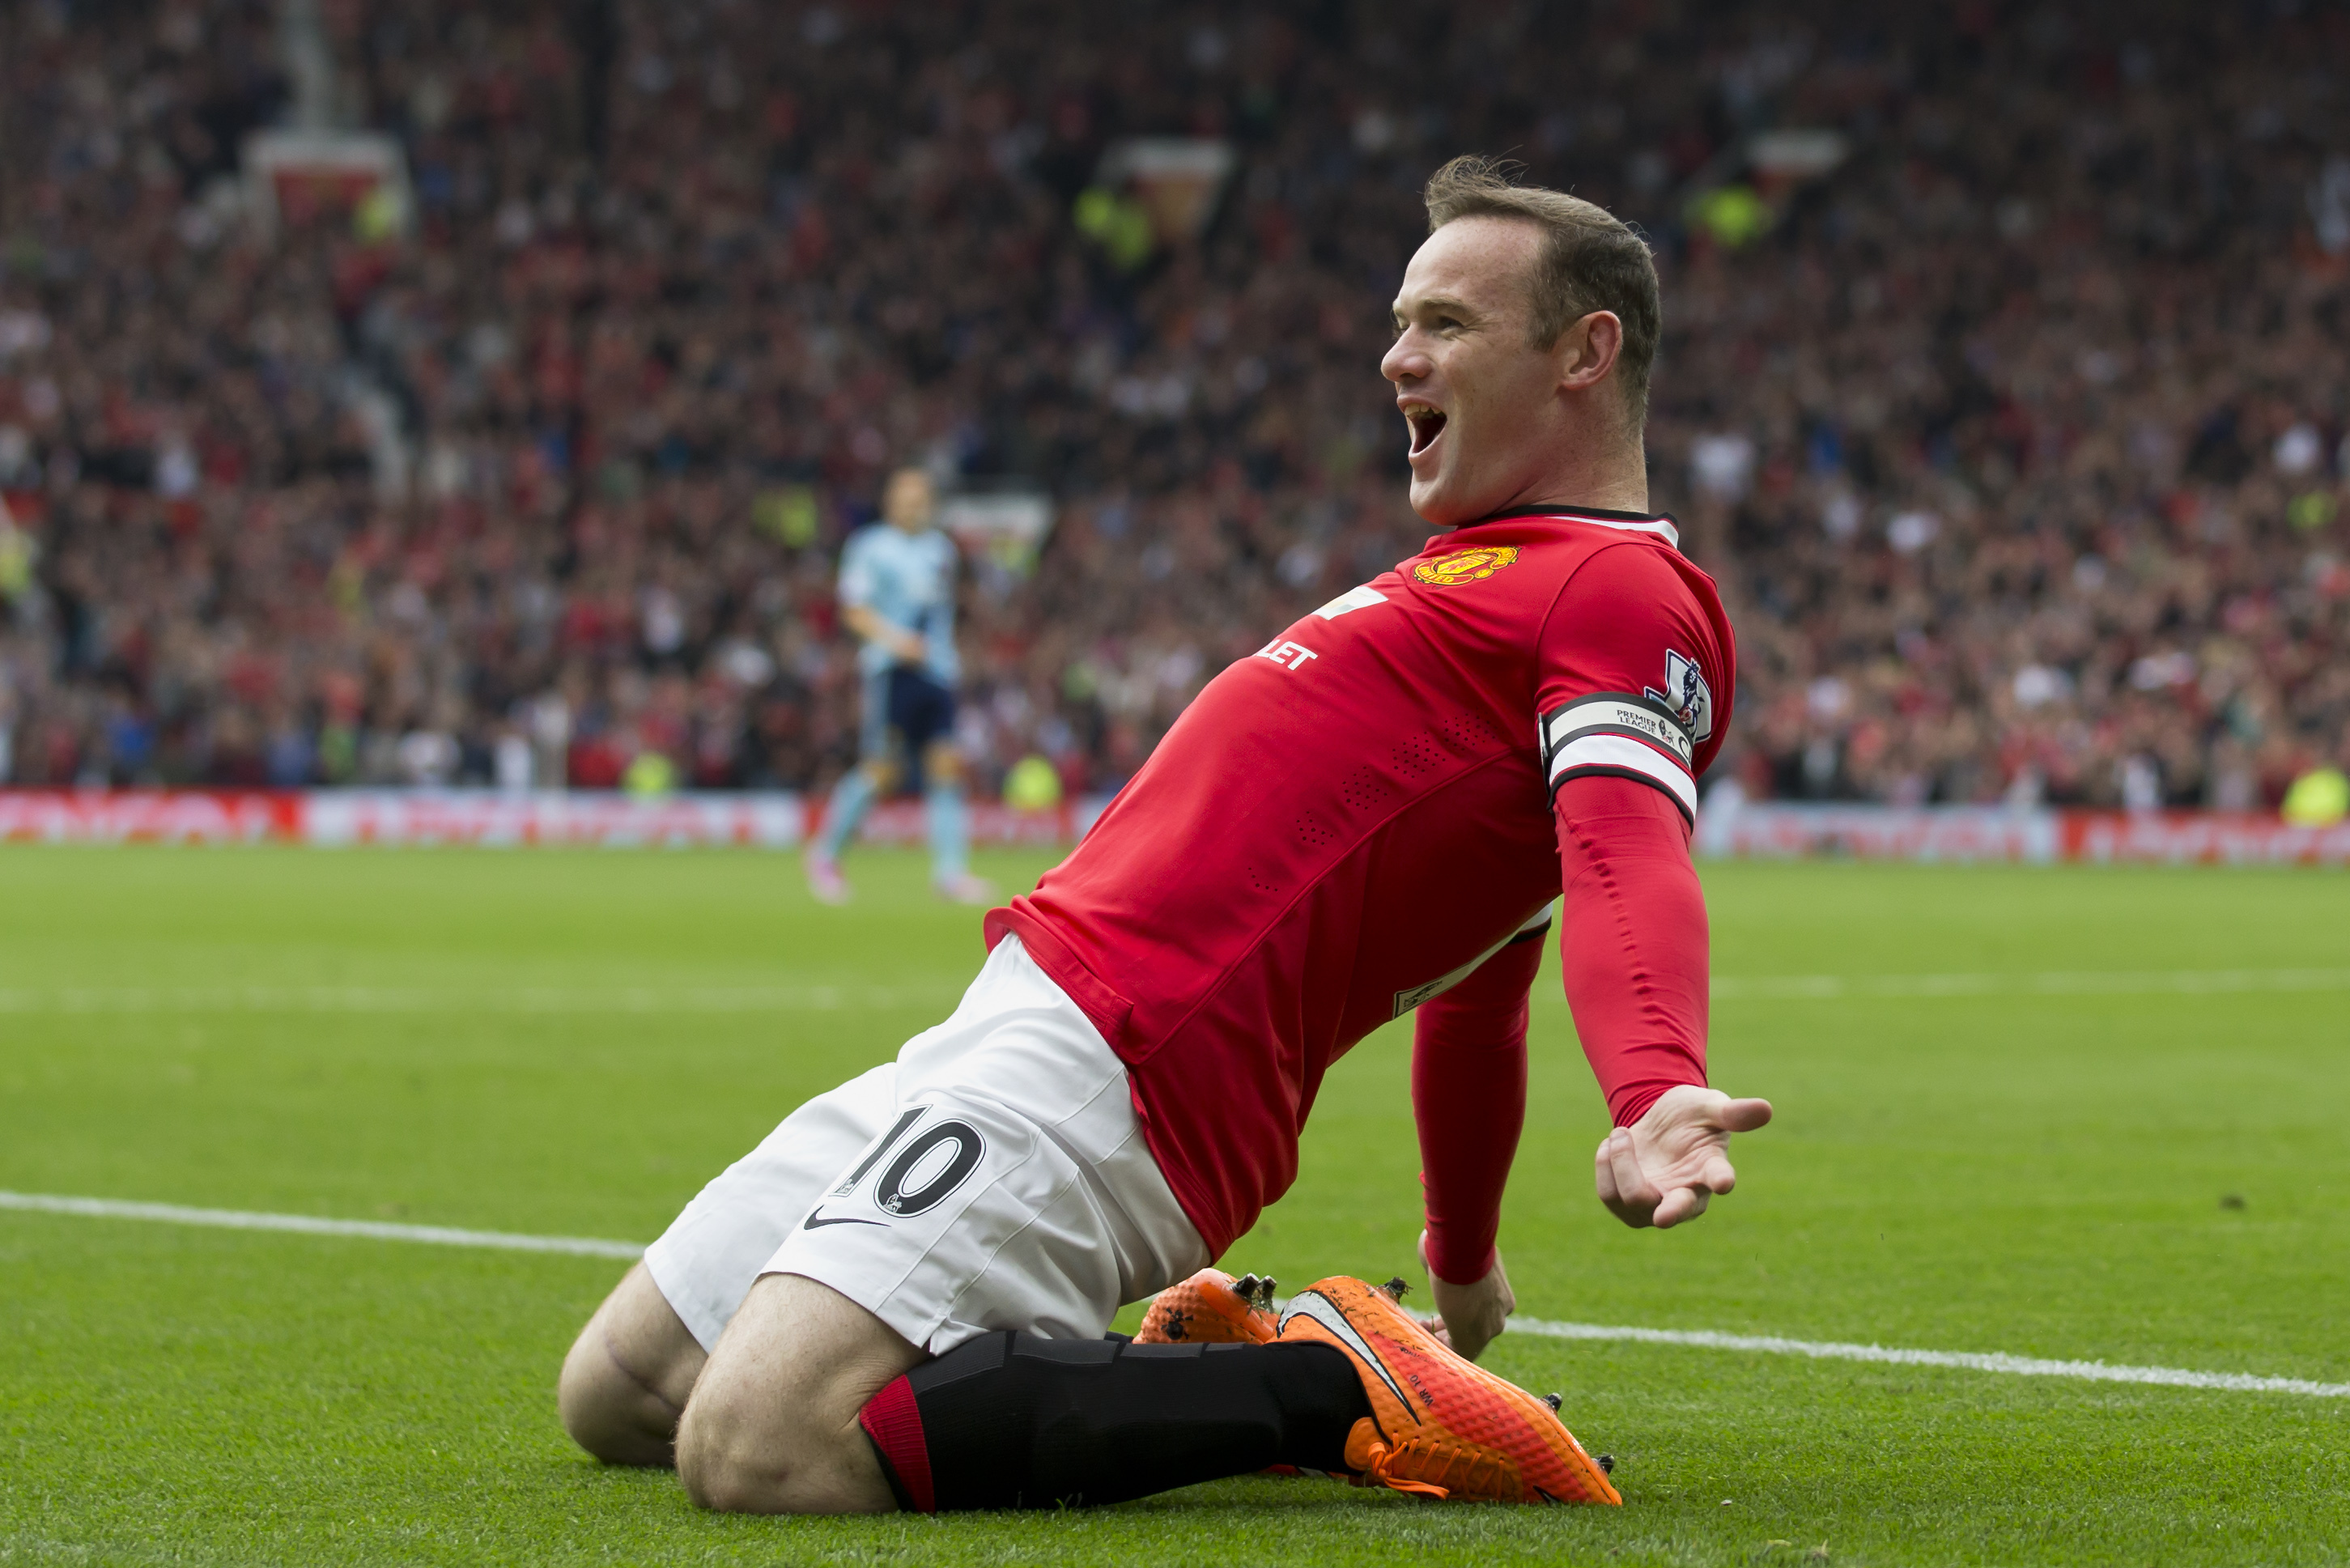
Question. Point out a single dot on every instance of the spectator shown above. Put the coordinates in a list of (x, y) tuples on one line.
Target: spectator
[(2017, 438)]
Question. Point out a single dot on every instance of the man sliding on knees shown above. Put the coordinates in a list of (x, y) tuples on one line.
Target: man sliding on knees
[(899, 1298)]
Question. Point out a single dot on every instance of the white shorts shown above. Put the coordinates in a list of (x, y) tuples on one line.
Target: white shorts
[(993, 1176)]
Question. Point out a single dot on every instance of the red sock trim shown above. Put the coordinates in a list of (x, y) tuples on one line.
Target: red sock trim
[(892, 1419)]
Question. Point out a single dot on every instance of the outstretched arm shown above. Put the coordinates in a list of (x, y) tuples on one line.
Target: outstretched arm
[(1634, 940)]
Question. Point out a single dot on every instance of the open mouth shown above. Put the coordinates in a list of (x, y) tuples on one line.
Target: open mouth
[(1425, 425)]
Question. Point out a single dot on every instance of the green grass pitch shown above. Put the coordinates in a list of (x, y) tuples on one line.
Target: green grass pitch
[(570, 1044)]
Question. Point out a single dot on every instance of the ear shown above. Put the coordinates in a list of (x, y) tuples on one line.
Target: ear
[(1585, 352)]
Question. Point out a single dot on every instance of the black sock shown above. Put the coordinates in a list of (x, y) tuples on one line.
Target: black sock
[(1010, 1421)]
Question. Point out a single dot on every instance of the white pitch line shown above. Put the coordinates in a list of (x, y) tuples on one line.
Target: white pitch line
[(1969, 1361), (1699, 1339), (2156, 982), (374, 1230)]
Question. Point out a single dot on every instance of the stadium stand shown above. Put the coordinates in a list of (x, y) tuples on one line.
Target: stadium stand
[(2005, 381)]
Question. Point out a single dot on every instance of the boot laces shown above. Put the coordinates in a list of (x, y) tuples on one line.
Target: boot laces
[(1439, 1467)]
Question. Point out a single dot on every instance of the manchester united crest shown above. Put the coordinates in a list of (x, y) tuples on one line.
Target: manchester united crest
[(1465, 565)]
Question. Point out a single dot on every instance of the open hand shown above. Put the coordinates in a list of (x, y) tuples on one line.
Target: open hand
[(1664, 1168), (1469, 1317)]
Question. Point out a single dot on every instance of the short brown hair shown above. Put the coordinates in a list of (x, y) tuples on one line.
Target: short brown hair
[(1591, 260)]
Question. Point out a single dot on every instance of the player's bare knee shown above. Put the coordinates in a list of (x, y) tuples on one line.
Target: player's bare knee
[(737, 1453), (773, 1424), (717, 1468), (625, 1379), (606, 1411)]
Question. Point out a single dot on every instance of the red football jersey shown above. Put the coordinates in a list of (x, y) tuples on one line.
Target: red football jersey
[(1356, 817)]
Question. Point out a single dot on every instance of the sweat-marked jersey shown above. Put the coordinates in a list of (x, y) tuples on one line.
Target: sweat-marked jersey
[(1358, 816)]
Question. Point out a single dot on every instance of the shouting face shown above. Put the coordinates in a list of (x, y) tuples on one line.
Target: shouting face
[(1481, 404)]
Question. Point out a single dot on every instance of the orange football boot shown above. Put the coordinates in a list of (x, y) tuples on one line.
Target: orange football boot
[(1211, 1308), (1439, 1425)]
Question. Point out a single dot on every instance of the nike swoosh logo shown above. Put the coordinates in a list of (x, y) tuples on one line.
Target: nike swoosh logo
[(812, 1222), (1324, 1310)]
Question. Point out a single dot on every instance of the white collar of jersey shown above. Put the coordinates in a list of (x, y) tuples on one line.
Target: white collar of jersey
[(1662, 527), (1660, 524)]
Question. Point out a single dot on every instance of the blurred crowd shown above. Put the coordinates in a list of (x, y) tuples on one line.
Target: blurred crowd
[(2011, 414)]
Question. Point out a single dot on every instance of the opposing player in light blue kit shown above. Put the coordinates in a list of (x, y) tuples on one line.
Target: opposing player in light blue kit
[(897, 594)]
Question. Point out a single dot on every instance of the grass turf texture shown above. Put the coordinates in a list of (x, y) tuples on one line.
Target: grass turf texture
[(571, 1042)]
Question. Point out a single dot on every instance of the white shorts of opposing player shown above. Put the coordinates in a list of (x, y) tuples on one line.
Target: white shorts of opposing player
[(993, 1176)]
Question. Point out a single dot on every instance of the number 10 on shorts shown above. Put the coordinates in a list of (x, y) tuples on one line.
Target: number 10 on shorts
[(925, 1173)]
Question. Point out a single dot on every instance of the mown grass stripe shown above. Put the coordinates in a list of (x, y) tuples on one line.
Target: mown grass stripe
[(2170, 982), (368, 999), (832, 998), (1546, 1328)]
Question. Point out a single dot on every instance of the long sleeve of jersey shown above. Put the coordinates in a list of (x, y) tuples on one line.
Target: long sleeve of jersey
[(1637, 679), (1469, 1097), (1632, 939)]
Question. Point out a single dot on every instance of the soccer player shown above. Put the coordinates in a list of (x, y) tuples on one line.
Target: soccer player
[(897, 594), (899, 1298)]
